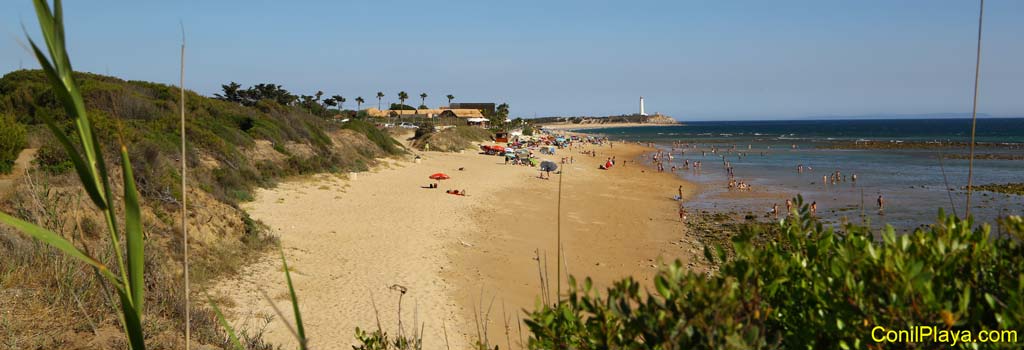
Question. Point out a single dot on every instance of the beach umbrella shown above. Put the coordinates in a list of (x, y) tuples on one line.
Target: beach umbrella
[(440, 176), (548, 165)]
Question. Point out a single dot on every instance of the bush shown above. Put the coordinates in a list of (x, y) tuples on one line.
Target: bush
[(401, 107), (808, 287), (452, 139), (12, 141), (424, 130), (379, 137)]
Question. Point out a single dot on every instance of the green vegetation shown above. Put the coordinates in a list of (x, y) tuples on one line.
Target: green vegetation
[(128, 279), (452, 139), (250, 97), (805, 286), (401, 107), (71, 278), (497, 120), (402, 96), (377, 136), (222, 132), (796, 285), (1010, 188), (12, 141)]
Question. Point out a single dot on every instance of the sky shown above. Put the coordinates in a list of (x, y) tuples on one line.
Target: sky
[(693, 60)]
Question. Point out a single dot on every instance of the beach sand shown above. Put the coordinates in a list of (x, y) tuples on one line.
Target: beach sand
[(348, 241)]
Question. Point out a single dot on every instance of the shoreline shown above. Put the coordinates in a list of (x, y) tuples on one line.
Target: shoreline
[(348, 241)]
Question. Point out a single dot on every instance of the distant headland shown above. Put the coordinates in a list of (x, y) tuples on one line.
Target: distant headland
[(606, 122)]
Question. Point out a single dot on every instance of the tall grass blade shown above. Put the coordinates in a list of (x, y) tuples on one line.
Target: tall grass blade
[(224, 323), (60, 73), (134, 238), (295, 305), (88, 181), (132, 321)]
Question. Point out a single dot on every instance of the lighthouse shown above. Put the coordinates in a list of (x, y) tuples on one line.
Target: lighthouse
[(642, 106)]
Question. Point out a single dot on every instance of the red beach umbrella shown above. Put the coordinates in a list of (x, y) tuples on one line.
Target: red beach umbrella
[(440, 176)]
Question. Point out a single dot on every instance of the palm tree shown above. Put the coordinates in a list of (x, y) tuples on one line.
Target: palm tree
[(359, 103), (423, 99), (319, 94), (450, 98), (402, 96), (380, 95)]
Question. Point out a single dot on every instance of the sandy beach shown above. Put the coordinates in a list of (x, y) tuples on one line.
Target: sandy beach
[(352, 243)]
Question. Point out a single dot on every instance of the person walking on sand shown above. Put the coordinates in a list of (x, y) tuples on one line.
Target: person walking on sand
[(680, 192), (775, 210), (789, 206)]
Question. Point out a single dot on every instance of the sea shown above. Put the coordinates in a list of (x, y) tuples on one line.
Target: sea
[(915, 182)]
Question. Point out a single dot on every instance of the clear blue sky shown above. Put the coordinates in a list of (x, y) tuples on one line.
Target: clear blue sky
[(695, 60)]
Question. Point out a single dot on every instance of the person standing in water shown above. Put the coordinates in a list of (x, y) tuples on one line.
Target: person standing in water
[(814, 208), (881, 203)]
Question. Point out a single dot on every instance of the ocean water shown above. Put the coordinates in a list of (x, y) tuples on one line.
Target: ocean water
[(913, 182)]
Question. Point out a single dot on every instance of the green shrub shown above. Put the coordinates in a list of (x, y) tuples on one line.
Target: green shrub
[(808, 287), (452, 139), (379, 137), (12, 141)]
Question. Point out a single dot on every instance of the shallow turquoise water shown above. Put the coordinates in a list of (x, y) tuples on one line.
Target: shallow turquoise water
[(911, 181)]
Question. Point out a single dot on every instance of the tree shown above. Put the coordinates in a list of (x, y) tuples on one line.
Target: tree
[(330, 102), (450, 98), (307, 101), (318, 95), (402, 96), (380, 95), (341, 101), (423, 99), (231, 92), (500, 114), (359, 103)]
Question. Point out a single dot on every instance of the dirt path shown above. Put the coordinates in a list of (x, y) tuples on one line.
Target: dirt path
[(21, 164)]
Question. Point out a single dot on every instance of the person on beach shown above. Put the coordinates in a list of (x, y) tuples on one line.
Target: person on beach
[(680, 192), (881, 203), (789, 206), (682, 213), (814, 208), (775, 210)]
